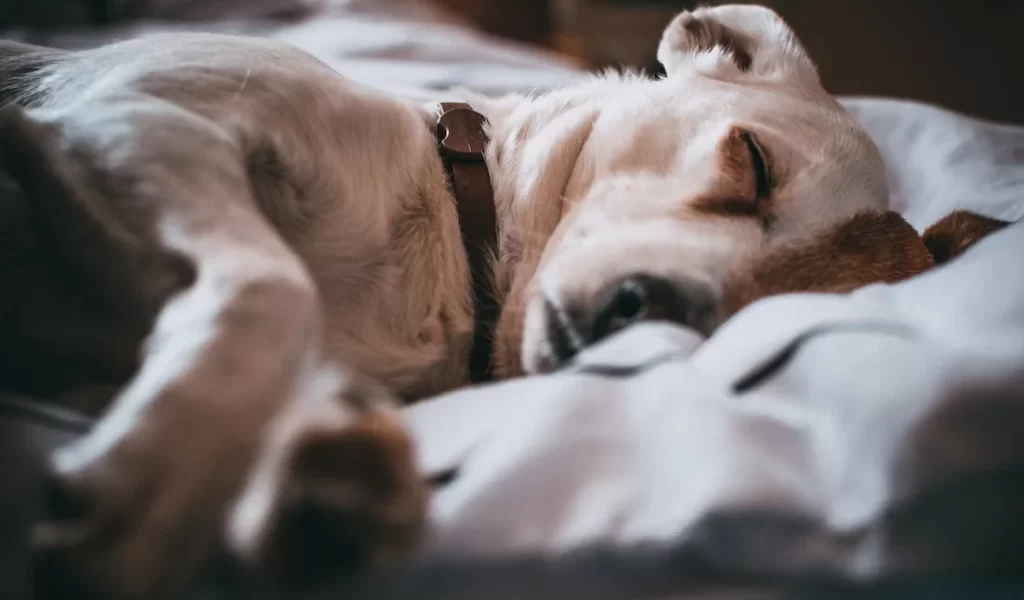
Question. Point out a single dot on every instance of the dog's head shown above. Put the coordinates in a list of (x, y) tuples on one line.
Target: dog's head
[(685, 198)]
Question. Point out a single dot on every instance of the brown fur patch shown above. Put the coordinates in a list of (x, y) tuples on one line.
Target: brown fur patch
[(709, 33), (953, 235), (869, 248), (366, 452)]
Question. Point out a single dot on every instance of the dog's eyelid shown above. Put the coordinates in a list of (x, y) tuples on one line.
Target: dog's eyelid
[(744, 155), (765, 181)]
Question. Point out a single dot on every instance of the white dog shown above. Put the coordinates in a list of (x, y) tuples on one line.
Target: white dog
[(253, 221)]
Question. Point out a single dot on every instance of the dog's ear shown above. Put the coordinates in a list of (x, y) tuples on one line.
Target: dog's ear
[(872, 247), (689, 34), (953, 235), (733, 40)]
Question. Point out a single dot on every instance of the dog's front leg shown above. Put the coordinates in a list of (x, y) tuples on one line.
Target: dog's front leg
[(144, 493), (138, 505), (335, 489)]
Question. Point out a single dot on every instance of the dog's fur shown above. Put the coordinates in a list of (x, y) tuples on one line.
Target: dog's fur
[(253, 221)]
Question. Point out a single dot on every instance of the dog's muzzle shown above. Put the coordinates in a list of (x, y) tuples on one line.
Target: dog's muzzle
[(640, 297)]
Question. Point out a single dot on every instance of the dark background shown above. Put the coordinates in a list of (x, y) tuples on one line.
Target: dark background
[(963, 54), (967, 55)]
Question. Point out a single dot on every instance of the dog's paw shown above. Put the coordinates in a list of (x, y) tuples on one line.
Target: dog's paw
[(337, 491), (352, 500), (734, 39), (129, 525)]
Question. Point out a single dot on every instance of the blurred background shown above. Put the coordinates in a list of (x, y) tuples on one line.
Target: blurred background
[(963, 54)]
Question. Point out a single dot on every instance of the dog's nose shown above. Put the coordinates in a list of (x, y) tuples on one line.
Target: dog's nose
[(635, 298)]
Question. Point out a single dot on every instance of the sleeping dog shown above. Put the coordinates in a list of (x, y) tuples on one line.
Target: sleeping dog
[(263, 258)]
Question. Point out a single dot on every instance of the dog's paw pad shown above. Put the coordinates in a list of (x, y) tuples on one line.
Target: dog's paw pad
[(352, 499)]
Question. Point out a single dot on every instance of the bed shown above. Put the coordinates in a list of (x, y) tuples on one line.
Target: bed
[(852, 443)]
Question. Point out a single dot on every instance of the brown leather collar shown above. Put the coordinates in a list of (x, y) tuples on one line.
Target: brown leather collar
[(461, 141)]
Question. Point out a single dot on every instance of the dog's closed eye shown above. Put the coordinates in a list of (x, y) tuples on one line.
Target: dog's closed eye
[(745, 180), (763, 180)]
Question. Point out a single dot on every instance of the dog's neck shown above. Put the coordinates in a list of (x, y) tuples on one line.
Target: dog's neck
[(530, 173)]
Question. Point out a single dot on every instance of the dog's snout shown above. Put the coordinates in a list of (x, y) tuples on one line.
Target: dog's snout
[(649, 298), (632, 299), (635, 298)]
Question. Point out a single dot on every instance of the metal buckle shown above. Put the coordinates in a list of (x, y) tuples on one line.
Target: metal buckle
[(460, 134)]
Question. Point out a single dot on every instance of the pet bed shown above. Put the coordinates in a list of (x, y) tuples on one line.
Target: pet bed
[(857, 440)]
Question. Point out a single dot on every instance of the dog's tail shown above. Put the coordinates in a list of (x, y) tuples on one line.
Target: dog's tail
[(22, 68)]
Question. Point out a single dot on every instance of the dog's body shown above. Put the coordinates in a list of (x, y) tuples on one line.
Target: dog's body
[(254, 221), (345, 180)]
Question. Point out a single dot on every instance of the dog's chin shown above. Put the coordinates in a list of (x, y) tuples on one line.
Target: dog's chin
[(541, 360), (538, 353)]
